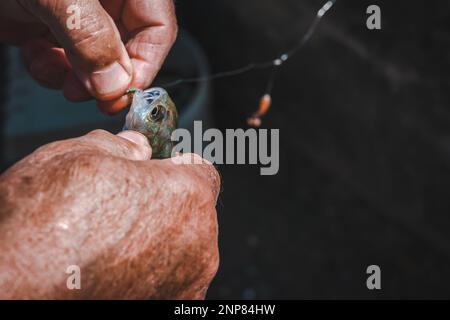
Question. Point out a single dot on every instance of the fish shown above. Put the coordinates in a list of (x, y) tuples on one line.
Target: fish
[(154, 114)]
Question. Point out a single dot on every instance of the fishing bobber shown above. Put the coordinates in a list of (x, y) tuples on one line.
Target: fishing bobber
[(264, 105), (254, 122)]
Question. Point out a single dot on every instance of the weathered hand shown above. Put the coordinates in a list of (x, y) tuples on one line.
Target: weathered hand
[(137, 228), (120, 44)]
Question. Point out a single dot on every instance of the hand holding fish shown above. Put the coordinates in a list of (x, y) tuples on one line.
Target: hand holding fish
[(137, 228), (117, 45)]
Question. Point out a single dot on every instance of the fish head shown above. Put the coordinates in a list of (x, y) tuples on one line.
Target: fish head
[(153, 114)]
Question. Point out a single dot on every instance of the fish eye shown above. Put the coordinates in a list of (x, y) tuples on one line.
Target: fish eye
[(157, 113)]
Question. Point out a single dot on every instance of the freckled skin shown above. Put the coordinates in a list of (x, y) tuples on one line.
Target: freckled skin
[(137, 229), (157, 127)]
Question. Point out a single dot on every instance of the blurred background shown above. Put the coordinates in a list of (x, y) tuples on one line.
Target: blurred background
[(364, 119)]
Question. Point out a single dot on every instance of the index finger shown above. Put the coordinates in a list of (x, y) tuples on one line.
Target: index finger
[(152, 27)]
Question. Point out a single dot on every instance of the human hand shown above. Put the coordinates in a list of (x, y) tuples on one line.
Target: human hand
[(120, 44), (137, 228)]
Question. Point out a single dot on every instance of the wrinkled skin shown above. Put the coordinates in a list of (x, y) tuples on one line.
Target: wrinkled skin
[(137, 228), (154, 114), (119, 44)]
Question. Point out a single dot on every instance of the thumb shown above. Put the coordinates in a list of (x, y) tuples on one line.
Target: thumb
[(91, 42), (131, 145), (143, 150)]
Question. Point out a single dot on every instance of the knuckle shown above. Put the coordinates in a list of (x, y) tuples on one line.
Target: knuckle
[(197, 177), (208, 180), (183, 184), (97, 137), (198, 187), (94, 35), (98, 133)]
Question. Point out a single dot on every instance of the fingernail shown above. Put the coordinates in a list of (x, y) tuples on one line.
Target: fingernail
[(110, 80), (144, 150)]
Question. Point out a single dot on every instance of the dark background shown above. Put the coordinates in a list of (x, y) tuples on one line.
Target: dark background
[(364, 152), (365, 149)]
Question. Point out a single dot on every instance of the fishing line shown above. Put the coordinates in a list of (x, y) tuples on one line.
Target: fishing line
[(275, 64)]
